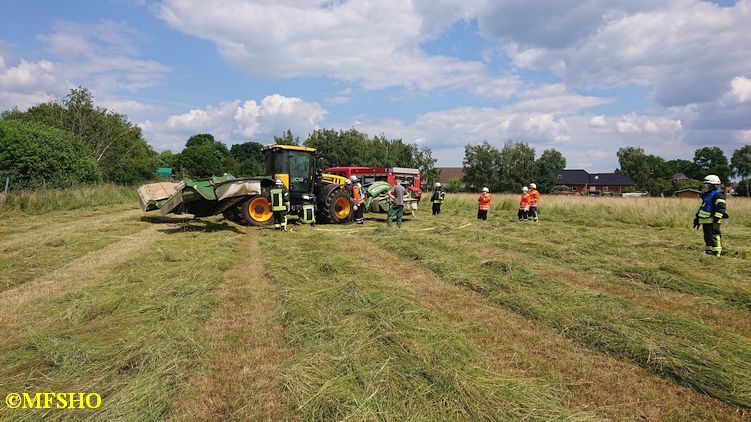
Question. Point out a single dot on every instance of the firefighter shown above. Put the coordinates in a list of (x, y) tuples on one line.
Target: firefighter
[(308, 211), (358, 196), (437, 199), (524, 204), (534, 198), (483, 205), (279, 204), (711, 213)]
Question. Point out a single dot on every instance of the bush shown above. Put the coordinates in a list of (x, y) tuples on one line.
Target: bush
[(33, 154)]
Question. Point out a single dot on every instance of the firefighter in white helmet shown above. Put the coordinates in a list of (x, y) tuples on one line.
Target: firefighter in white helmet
[(711, 213), (483, 204), (534, 198), (438, 197), (524, 204)]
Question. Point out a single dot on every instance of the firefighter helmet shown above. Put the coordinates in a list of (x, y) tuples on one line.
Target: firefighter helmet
[(532, 186), (712, 180), (485, 190), (525, 189)]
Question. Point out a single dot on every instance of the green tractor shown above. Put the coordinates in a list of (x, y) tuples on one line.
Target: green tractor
[(246, 200)]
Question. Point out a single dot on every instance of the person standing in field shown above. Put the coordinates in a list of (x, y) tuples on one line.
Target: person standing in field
[(524, 202), (279, 196), (710, 214), (534, 198), (437, 199), (483, 204), (358, 196), (396, 193)]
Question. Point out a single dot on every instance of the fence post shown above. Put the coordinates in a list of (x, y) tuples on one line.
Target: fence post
[(5, 191)]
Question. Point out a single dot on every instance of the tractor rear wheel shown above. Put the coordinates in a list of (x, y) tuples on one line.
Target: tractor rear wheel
[(337, 208), (256, 211)]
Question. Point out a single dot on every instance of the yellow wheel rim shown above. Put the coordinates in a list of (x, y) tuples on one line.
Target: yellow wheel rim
[(341, 208), (259, 209)]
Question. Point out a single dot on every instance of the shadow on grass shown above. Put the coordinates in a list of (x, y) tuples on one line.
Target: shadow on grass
[(162, 219), (202, 226)]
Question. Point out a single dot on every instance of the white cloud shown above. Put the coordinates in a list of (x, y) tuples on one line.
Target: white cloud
[(29, 83), (374, 43), (233, 121), (99, 56), (741, 89), (688, 50)]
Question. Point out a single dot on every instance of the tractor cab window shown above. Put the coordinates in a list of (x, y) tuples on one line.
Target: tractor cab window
[(300, 164)]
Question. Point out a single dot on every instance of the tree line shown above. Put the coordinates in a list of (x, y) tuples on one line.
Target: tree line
[(72, 141), (654, 174)]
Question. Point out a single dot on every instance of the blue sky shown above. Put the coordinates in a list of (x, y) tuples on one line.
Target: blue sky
[(585, 77)]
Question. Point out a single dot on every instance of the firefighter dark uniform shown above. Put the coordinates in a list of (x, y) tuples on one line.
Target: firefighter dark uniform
[(437, 199), (279, 205), (709, 217)]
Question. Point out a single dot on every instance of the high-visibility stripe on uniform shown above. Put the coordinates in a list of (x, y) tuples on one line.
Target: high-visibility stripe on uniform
[(277, 200), (308, 214)]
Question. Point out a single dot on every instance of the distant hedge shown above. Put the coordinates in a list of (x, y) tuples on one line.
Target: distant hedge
[(32, 154)]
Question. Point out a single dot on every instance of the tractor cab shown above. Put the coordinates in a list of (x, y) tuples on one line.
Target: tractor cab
[(294, 165)]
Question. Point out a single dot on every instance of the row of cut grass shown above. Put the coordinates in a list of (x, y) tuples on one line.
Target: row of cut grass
[(668, 258), (129, 335), (708, 360), (366, 352), (519, 347), (23, 261)]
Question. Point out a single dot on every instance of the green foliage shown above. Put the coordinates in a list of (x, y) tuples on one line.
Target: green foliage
[(116, 144), (690, 184), (33, 154), (553, 159), (686, 167), (480, 166), (425, 162), (204, 157), (454, 185), (549, 161), (167, 159), (744, 188), (504, 170), (249, 158), (287, 139), (711, 160), (650, 172), (741, 166), (351, 147)]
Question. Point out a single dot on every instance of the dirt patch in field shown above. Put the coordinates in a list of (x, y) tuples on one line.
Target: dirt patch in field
[(240, 381), (515, 346)]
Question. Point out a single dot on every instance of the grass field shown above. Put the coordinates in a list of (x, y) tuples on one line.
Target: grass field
[(605, 309)]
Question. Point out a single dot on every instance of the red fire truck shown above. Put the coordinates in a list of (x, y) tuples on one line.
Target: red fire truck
[(385, 174)]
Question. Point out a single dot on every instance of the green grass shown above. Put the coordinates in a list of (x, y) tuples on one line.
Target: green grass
[(129, 335), (44, 201), (365, 352), (709, 360)]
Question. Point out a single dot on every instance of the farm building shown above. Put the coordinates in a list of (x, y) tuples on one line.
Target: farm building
[(447, 173), (687, 193), (581, 181), (679, 178)]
